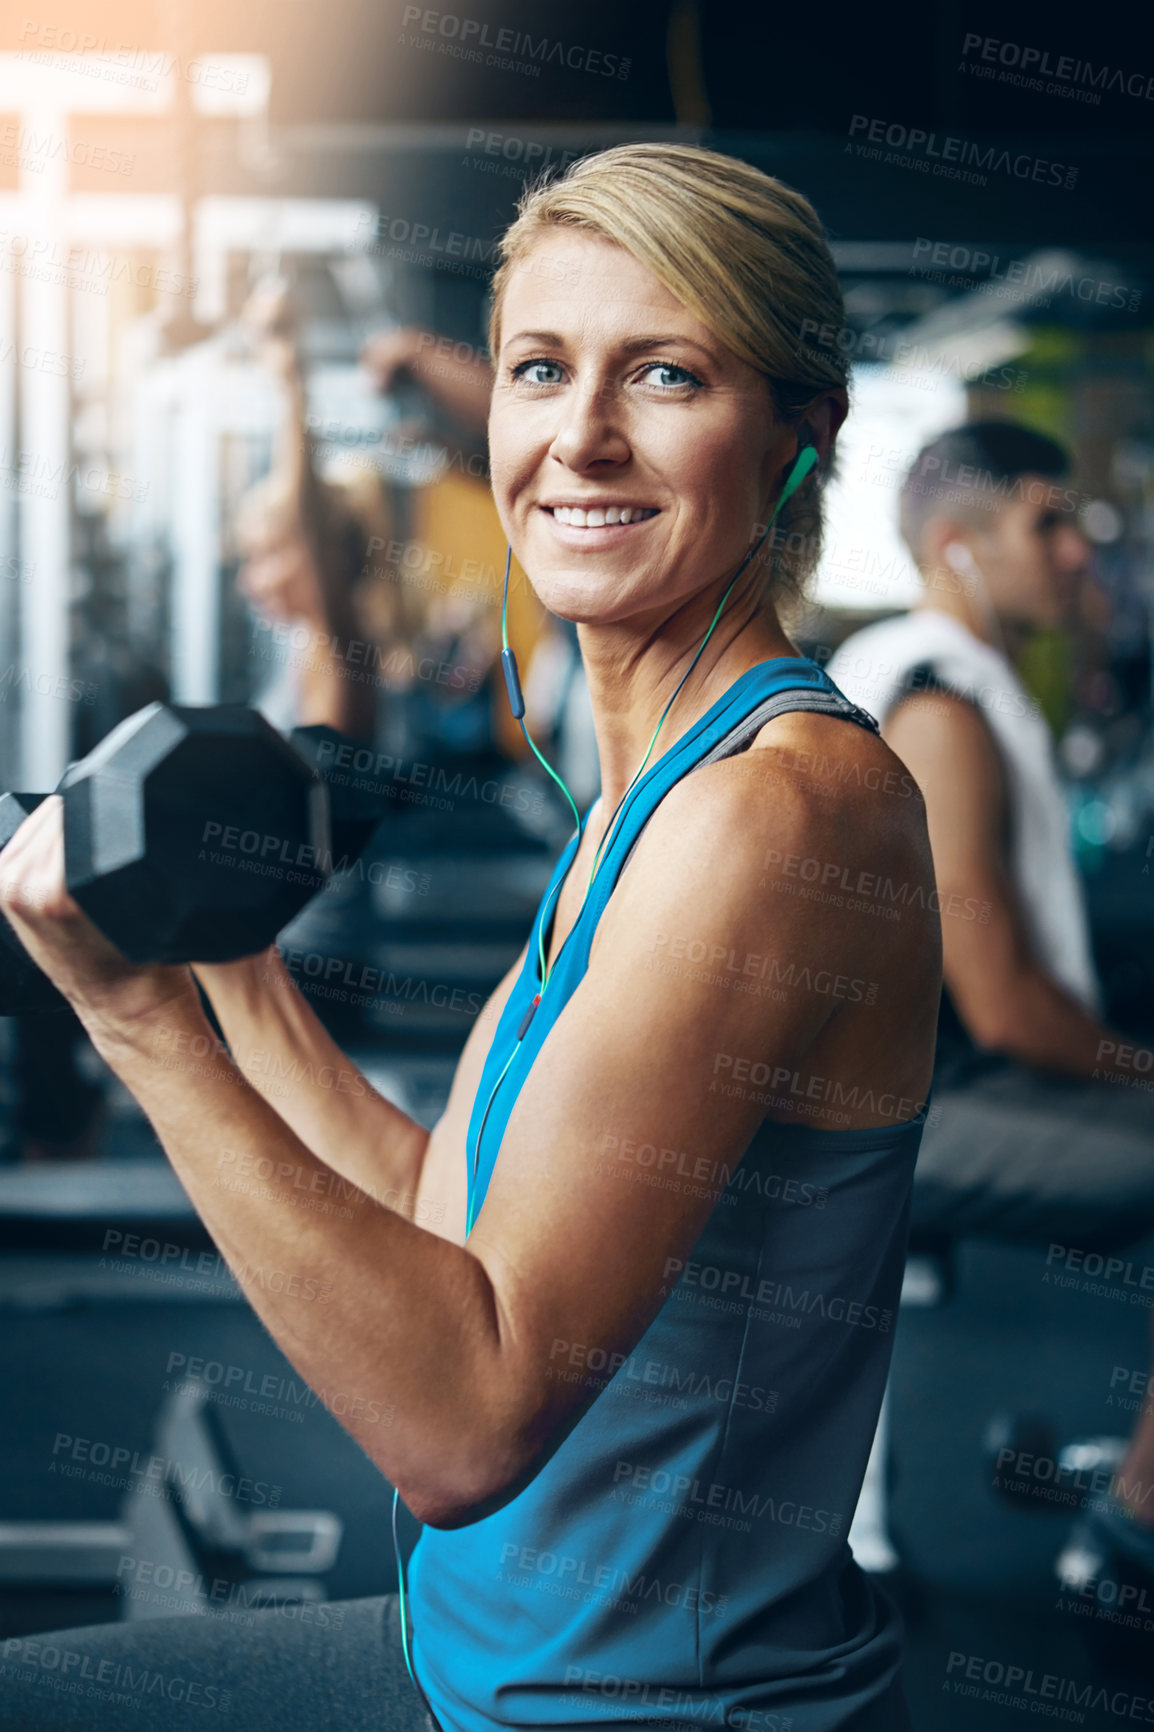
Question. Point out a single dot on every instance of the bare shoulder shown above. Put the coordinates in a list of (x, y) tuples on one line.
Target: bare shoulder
[(798, 876), (818, 821), (810, 782), (938, 730)]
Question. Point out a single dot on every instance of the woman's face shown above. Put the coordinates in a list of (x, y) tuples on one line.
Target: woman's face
[(610, 394)]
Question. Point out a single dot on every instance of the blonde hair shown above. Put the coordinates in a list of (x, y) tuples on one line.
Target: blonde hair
[(743, 252)]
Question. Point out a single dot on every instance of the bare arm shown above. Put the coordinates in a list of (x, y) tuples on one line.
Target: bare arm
[(329, 688), (451, 1343), (461, 386), (1005, 999), (283, 1050)]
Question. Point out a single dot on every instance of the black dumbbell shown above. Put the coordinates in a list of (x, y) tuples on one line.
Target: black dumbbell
[(190, 835), (356, 809)]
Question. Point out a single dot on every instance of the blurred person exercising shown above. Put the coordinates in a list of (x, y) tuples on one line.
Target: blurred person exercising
[(1040, 1133), (617, 1330), (304, 545)]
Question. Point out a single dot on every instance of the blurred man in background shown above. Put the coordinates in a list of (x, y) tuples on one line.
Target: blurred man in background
[(1041, 1133)]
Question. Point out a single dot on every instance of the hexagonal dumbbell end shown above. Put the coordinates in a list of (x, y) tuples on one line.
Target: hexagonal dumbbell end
[(24, 988), (194, 834), (357, 806)]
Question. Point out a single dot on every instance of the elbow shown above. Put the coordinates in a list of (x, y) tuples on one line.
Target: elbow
[(994, 1021), (470, 1490), (450, 1506), (992, 1031)]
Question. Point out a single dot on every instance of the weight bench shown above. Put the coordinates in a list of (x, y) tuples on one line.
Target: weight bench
[(202, 1550)]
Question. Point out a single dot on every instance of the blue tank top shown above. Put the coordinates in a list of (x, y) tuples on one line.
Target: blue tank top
[(682, 1558)]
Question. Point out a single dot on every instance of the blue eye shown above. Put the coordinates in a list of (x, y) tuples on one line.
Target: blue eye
[(687, 378), (522, 372)]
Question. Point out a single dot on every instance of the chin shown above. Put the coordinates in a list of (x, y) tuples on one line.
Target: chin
[(582, 598)]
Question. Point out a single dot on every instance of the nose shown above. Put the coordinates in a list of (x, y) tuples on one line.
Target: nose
[(589, 428), (1075, 549)]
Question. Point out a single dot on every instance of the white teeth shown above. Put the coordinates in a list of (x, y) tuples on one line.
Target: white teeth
[(596, 517)]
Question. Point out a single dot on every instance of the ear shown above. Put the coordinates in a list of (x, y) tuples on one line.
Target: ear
[(946, 543), (821, 422)]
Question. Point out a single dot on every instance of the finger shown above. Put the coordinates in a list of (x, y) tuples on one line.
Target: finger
[(22, 850)]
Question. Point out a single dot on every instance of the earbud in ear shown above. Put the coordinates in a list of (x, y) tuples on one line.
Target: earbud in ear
[(959, 558), (802, 464)]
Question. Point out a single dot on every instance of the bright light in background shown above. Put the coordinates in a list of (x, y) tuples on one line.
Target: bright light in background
[(866, 565)]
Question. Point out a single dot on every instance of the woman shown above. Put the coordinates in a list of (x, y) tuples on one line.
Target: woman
[(634, 1332)]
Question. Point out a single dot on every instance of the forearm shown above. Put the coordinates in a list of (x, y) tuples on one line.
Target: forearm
[(395, 1328), (1031, 1018), (287, 1055), (461, 388), (293, 454), (333, 690)]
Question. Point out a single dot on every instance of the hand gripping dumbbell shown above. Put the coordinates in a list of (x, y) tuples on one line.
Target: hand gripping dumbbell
[(190, 835)]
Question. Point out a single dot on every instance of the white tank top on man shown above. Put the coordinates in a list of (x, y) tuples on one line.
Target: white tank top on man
[(873, 667)]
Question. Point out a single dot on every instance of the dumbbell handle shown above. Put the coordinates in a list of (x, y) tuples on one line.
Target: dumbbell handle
[(23, 986)]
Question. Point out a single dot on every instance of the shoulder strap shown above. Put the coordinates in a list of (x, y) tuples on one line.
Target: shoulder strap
[(828, 703), (825, 700)]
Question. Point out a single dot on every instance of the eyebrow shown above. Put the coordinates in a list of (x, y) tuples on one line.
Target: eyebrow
[(633, 346)]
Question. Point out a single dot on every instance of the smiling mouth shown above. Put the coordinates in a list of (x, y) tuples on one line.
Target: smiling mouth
[(599, 517)]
